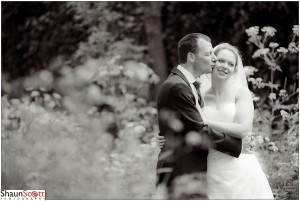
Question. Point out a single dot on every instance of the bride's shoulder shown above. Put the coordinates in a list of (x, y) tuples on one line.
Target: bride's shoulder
[(243, 92), (243, 89)]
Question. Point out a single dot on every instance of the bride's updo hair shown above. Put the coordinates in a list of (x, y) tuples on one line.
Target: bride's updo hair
[(233, 49)]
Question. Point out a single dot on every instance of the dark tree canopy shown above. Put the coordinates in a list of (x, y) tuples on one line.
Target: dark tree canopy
[(34, 33), (226, 22)]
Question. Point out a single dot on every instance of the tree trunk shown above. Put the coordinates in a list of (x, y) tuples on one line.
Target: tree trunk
[(155, 38)]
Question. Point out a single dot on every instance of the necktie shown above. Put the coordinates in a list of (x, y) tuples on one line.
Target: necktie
[(197, 86)]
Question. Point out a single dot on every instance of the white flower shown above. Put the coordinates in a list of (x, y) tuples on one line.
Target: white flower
[(15, 102), (50, 105), (42, 89), (272, 96), (251, 79), (256, 83), (260, 52), (255, 99), (83, 75), (284, 114), (154, 79), (92, 110), (270, 31), (283, 50), (47, 97), (252, 144), (293, 48), (272, 44), (271, 144), (46, 76), (259, 79), (252, 31), (293, 143), (255, 39), (249, 70), (282, 93), (259, 83), (34, 94), (296, 107), (139, 129), (93, 94), (273, 148), (260, 139), (296, 30), (56, 96), (114, 59)]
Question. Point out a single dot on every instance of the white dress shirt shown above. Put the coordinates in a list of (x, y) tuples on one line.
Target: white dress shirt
[(191, 79)]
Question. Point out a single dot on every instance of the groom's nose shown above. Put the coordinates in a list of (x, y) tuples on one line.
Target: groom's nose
[(213, 58)]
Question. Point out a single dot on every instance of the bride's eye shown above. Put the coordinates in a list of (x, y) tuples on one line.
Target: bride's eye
[(231, 64), (221, 61)]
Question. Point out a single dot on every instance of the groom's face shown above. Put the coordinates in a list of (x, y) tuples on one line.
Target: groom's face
[(204, 58)]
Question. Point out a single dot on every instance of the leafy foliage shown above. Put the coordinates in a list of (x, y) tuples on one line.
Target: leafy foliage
[(96, 135), (28, 44), (277, 114), (181, 18)]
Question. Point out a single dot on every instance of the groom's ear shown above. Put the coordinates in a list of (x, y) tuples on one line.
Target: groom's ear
[(190, 57)]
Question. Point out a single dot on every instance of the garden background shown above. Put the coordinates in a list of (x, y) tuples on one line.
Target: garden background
[(79, 81)]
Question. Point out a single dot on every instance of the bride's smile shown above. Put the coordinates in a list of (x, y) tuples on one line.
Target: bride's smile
[(222, 70)]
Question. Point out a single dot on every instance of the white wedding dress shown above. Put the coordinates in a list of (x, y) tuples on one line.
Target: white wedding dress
[(229, 177)]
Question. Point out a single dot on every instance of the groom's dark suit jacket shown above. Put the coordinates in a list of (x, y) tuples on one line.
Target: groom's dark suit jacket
[(175, 102)]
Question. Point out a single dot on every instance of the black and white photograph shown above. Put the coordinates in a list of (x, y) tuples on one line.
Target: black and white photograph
[(126, 100)]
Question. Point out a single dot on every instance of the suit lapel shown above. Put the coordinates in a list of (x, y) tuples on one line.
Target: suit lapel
[(180, 74), (175, 71)]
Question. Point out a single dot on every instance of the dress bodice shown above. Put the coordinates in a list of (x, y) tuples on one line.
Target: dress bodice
[(223, 114)]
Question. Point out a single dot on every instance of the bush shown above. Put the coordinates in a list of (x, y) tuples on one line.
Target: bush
[(91, 133), (277, 114)]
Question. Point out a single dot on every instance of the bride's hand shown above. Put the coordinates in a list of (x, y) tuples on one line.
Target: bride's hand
[(160, 141)]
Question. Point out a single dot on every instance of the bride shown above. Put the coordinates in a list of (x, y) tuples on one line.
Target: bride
[(228, 108)]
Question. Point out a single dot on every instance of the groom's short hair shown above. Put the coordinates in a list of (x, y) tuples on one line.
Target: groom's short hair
[(189, 44)]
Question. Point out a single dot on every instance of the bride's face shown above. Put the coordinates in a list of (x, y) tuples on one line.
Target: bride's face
[(225, 64)]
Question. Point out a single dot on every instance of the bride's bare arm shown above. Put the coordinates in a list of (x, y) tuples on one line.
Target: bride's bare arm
[(243, 119)]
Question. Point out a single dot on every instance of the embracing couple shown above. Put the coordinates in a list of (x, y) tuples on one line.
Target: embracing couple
[(209, 95)]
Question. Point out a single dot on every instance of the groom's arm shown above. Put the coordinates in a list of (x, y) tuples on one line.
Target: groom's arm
[(182, 99), (240, 127), (226, 143)]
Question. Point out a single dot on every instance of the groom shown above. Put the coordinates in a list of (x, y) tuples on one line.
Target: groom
[(178, 106)]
